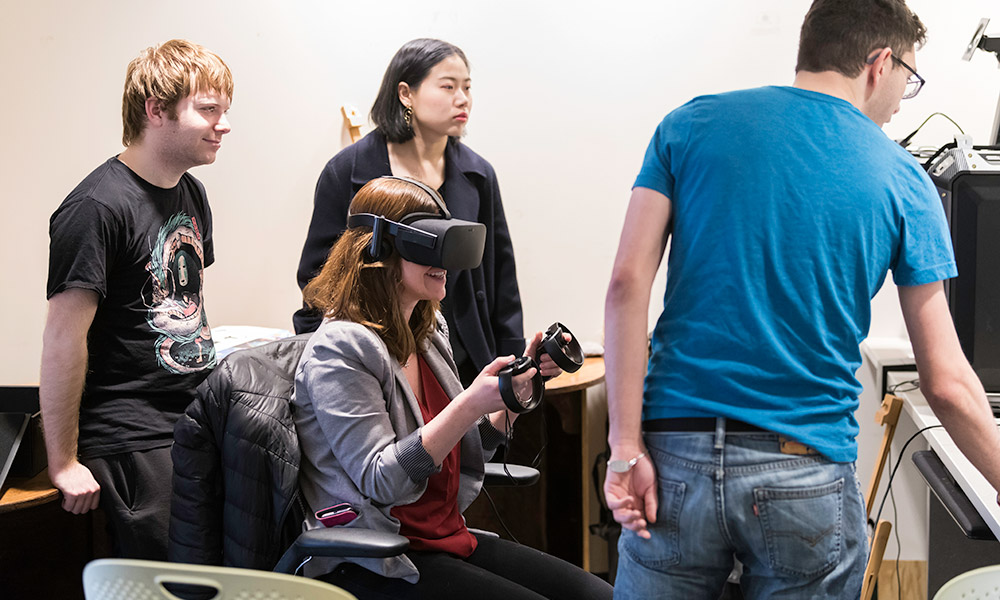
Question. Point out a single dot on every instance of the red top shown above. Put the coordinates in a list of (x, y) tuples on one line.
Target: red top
[(433, 522)]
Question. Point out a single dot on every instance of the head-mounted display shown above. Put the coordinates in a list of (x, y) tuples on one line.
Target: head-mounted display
[(430, 239)]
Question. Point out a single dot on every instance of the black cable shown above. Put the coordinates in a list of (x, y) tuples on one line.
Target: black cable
[(508, 438), (940, 151), (537, 460), (914, 383), (508, 433), (951, 145), (906, 141), (892, 474), (895, 532), (499, 518)]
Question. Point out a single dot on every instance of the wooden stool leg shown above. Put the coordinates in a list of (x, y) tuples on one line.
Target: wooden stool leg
[(887, 416), (879, 541)]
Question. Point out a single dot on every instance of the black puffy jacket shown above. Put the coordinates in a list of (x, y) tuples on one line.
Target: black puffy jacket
[(236, 462)]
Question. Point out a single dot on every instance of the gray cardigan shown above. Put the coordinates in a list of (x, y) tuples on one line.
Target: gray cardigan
[(359, 428)]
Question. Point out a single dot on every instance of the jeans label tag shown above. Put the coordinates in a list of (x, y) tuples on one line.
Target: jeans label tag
[(789, 446)]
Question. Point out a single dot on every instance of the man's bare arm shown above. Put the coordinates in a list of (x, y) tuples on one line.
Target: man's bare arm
[(64, 368), (947, 380), (632, 495)]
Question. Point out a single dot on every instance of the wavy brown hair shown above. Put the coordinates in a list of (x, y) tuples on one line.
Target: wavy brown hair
[(350, 287)]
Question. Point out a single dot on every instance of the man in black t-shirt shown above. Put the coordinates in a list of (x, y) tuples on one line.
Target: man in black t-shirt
[(126, 338)]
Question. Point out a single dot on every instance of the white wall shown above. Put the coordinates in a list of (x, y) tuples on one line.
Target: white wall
[(566, 97)]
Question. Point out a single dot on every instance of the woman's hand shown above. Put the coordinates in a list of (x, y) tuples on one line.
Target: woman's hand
[(485, 389), (488, 383), (547, 366)]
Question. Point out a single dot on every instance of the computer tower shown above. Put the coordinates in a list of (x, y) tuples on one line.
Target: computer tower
[(968, 180)]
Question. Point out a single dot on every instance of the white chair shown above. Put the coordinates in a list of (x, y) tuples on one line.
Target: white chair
[(978, 584), (128, 579)]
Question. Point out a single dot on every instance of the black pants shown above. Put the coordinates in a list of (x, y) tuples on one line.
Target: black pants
[(135, 497), (497, 570)]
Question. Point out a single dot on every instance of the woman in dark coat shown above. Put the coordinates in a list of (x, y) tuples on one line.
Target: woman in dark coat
[(420, 113)]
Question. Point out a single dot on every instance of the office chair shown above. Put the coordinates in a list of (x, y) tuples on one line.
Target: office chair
[(977, 584), (127, 579), (252, 524)]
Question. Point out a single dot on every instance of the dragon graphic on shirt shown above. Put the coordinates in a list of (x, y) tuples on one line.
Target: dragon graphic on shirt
[(174, 305)]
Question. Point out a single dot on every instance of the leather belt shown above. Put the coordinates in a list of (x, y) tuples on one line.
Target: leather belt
[(699, 424)]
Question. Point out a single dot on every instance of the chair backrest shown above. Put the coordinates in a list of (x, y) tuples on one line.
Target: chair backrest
[(127, 579), (236, 462), (978, 584)]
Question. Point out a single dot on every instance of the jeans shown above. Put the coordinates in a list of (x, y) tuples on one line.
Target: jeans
[(796, 521)]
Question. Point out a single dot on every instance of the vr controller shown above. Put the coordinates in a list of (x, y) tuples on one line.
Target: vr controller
[(568, 356)]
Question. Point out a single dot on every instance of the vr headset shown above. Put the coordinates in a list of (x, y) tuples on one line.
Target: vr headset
[(429, 239)]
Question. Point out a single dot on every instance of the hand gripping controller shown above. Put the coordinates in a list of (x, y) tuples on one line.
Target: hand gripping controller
[(568, 356)]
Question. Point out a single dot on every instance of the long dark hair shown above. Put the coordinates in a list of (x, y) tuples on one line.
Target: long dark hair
[(410, 64)]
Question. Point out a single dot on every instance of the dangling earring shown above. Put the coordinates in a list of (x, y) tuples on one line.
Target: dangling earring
[(408, 117)]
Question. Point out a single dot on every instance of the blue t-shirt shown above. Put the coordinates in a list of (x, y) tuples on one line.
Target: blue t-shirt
[(788, 208)]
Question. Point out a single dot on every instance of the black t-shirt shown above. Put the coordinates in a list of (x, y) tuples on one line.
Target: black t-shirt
[(143, 249)]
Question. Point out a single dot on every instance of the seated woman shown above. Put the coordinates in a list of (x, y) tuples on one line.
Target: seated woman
[(385, 425)]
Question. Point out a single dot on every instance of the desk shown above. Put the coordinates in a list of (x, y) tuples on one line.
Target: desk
[(26, 493), (950, 552), (980, 492), (555, 514), (45, 548)]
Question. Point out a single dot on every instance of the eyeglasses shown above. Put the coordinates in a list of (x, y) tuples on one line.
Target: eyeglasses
[(914, 83)]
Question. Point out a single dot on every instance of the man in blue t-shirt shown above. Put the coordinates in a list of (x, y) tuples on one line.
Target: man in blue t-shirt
[(785, 208)]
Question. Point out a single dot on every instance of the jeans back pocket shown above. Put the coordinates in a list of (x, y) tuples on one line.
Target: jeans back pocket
[(802, 527), (663, 548)]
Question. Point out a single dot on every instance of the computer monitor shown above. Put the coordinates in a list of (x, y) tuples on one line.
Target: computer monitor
[(969, 183)]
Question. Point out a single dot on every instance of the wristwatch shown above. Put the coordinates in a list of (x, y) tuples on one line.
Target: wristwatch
[(623, 466)]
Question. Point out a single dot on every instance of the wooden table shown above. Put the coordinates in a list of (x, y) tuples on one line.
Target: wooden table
[(44, 548), (26, 493)]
